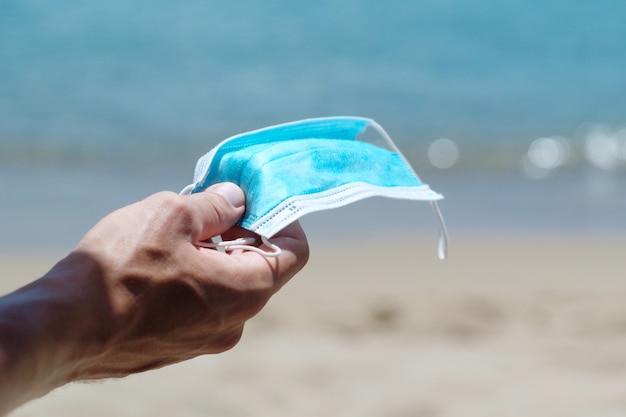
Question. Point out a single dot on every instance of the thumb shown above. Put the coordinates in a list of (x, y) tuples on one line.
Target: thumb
[(219, 207)]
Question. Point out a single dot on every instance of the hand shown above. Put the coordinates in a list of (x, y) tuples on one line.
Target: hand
[(138, 294)]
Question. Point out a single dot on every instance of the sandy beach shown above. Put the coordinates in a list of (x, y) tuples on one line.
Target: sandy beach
[(504, 327)]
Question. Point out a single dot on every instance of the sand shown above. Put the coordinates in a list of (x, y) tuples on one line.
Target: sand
[(504, 327)]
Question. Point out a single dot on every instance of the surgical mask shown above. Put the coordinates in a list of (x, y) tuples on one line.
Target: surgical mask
[(290, 170)]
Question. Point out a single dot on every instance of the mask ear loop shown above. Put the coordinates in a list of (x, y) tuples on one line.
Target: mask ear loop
[(443, 231), (187, 190), (244, 243)]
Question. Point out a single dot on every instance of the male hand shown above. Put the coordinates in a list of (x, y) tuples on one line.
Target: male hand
[(137, 293)]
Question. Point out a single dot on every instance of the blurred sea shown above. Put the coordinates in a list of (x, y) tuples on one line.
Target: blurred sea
[(515, 110)]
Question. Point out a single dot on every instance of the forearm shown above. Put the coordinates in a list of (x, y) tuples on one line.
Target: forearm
[(48, 330)]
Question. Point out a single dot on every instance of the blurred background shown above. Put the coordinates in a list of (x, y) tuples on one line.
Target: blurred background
[(514, 110)]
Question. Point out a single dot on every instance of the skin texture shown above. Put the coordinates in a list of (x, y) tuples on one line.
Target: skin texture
[(137, 294)]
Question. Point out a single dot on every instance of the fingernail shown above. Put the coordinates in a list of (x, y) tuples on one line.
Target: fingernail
[(231, 192)]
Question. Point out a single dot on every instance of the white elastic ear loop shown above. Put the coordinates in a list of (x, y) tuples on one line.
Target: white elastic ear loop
[(241, 243), (216, 240), (443, 231), (187, 190), (245, 244)]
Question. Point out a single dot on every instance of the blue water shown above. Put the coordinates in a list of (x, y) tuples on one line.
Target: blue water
[(144, 71), (127, 95)]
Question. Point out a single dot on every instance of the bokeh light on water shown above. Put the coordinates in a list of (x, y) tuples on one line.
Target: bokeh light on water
[(545, 155), (602, 148), (443, 153), (593, 146)]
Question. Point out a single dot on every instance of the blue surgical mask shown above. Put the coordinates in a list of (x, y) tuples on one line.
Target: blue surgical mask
[(289, 170)]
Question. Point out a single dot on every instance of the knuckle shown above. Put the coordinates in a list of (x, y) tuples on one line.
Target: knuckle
[(172, 208), (170, 201)]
